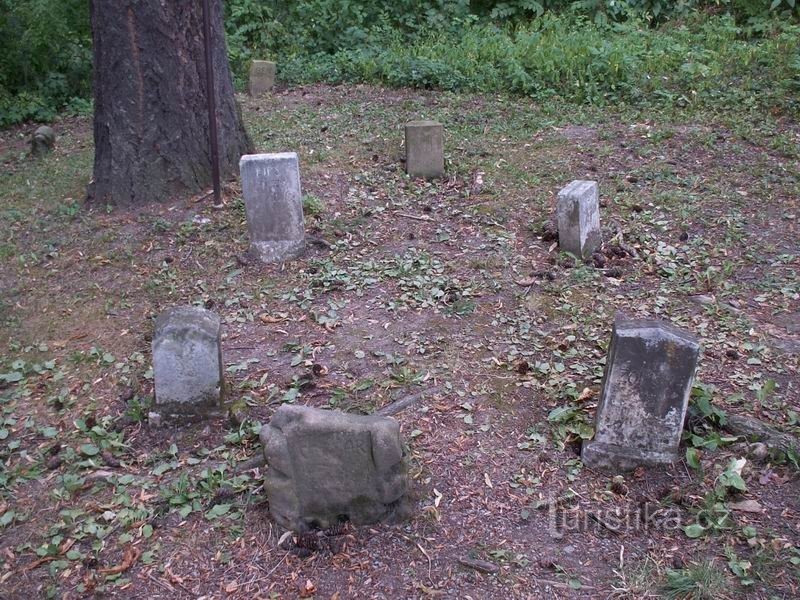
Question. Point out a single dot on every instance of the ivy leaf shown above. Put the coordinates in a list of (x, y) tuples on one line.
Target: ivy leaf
[(89, 450), (12, 377), (217, 511), (7, 517), (694, 531), (693, 458)]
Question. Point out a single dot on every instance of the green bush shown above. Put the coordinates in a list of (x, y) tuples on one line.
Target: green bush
[(45, 57), (581, 50), (703, 61)]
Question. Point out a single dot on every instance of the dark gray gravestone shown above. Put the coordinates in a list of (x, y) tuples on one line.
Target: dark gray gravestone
[(187, 363), (646, 388), (327, 467), (274, 205), (262, 77), (424, 149)]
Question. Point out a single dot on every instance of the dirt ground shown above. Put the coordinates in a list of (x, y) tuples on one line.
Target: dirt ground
[(453, 291)]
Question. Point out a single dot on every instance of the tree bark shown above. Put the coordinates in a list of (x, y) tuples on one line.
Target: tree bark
[(150, 114)]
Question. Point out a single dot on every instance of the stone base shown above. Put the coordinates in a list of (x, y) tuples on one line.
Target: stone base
[(170, 415), (610, 457), (277, 251)]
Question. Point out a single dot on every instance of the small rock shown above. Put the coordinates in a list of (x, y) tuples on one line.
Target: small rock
[(703, 299), (759, 451), (549, 232)]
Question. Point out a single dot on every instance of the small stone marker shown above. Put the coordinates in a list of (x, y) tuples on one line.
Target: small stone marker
[(424, 149), (262, 77), (326, 467), (646, 387), (578, 214), (274, 205), (43, 140), (187, 363)]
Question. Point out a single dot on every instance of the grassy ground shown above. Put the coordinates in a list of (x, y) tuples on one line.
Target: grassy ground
[(447, 290)]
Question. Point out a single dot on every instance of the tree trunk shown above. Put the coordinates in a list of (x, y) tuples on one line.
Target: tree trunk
[(150, 114)]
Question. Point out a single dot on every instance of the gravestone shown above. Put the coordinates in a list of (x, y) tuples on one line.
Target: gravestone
[(274, 205), (327, 467), (424, 149), (578, 215), (43, 141), (187, 364), (646, 387), (262, 77)]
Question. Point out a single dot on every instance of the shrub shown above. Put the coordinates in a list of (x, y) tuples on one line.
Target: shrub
[(45, 57)]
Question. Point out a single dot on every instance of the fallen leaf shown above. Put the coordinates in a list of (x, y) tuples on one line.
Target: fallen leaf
[(132, 554), (265, 318), (487, 480), (483, 566), (748, 506), (308, 590)]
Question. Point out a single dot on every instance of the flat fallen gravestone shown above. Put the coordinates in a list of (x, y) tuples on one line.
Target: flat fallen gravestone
[(262, 77), (646, 388), (187, 363), (578, 215), (424, 149), (327, 467), (274, 205)]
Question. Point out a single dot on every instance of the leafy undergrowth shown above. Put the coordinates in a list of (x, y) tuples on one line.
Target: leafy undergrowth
[(451, 291)]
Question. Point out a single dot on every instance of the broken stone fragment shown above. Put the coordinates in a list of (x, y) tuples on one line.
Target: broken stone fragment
[(187, 363), (326, 467), (43, 141)]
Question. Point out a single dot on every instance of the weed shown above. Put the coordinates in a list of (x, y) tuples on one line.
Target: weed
[(700, 581)]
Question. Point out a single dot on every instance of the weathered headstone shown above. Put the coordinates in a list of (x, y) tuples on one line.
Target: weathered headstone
[(424, 149), (187, 363), (327, 467), (646, 387), (43, 140), (274, 205), (578, 214), (262, 77)]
